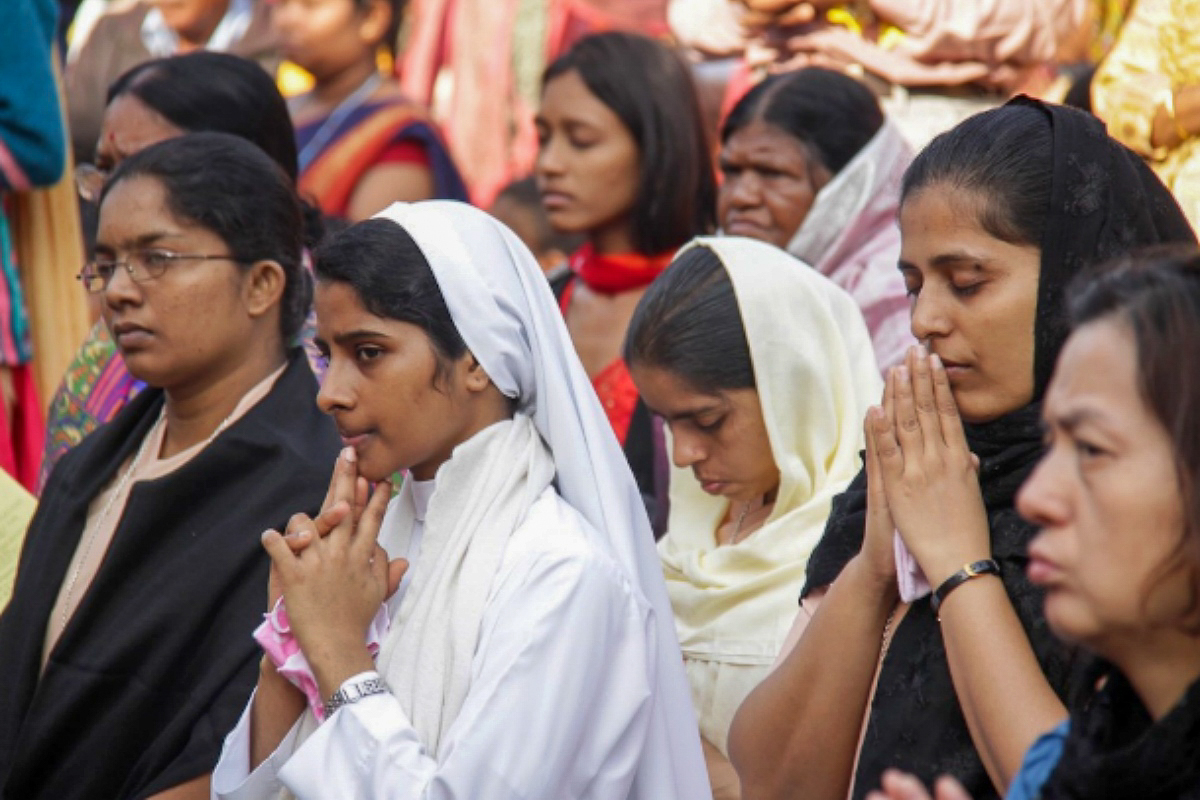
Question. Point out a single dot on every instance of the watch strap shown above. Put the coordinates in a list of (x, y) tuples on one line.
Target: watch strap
[(987, 566), (353, 690)]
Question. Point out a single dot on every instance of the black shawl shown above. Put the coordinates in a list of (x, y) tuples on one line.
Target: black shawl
[(157, 662), (1114, 750), (1104, 202)]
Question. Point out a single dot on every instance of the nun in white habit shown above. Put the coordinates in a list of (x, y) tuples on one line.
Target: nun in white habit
[(531, 650)]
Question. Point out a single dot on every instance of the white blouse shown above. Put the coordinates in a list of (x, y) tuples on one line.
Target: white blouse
[(558, 707)]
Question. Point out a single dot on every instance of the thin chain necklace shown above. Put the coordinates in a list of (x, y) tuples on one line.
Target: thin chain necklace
[(122, 483), (737, 527)]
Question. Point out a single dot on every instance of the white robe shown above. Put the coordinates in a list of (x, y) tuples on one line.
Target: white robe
[(559, 704)]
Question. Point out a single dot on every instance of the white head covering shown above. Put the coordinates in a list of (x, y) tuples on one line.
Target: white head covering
[(860, 198), (505, 312), (816, 376)]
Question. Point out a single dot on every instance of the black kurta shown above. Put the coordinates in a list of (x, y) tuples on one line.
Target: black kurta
[(158, 661)]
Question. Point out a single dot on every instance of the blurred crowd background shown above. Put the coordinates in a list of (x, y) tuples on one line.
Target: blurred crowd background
[(792, 123), (407, 99)]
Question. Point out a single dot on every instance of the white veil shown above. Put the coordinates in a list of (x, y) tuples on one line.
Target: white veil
[(502, 306)]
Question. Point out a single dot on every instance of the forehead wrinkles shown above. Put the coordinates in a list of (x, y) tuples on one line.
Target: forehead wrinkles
[(762, 141)]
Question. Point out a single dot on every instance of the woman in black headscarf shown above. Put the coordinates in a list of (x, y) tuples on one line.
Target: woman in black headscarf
[(996, 217)]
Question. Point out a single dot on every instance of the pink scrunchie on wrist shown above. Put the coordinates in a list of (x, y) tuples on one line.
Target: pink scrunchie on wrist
[(274, 635), (909, 577)]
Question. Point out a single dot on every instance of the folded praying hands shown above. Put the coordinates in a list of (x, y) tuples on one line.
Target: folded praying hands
[(930, 479)]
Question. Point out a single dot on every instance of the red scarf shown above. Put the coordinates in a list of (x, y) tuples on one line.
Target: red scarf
[(611, 274)]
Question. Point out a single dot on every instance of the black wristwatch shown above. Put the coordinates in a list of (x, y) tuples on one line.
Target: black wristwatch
[(987, 566)]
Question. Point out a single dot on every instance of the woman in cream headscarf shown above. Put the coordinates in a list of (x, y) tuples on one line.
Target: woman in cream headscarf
[(529, 651), (763, 370)]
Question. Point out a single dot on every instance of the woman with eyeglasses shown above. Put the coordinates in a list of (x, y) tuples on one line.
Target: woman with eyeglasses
[(127, 649), (153, 102)]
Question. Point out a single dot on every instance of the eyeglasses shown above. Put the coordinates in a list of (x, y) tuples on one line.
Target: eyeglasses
[(142, 266), (89, 181)]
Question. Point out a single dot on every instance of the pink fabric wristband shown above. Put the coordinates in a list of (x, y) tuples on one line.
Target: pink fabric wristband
[(274, 635), (909, 577)]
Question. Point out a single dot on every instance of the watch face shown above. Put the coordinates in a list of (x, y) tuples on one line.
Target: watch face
[(353, 692)]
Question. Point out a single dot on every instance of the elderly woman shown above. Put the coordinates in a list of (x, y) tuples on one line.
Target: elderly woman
[(127, 648), (811, 165), (133, 33)]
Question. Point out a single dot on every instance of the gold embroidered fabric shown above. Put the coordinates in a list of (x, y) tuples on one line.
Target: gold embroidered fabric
[(1155, 52), (1108, 17)]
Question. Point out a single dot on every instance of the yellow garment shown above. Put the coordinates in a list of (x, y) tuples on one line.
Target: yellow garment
[(1107, 19), (1157, 51), (293, 80), (49, 241), (816, 375), (860, 20), (16, 509)]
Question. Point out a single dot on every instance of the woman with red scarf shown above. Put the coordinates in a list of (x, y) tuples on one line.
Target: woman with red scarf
[(624, 161)]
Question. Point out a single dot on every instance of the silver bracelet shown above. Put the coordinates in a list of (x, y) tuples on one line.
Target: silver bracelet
[(352, 692)]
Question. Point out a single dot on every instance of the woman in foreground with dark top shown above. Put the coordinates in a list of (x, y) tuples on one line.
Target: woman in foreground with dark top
[(1118, 556), (153, 102), (996, 216), (127, 647)]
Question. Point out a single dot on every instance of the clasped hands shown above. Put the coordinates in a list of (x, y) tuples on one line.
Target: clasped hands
[(922, 479), (333, 574)]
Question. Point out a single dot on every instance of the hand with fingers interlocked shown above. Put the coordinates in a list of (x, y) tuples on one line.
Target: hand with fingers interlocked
[(302, 529), (333, 575), (930, 477)]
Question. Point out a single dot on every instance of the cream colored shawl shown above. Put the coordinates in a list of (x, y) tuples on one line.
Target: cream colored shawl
[(816, 375), (483, 493)]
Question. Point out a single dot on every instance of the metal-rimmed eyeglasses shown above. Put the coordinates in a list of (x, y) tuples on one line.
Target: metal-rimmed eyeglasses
[(142, 266)]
